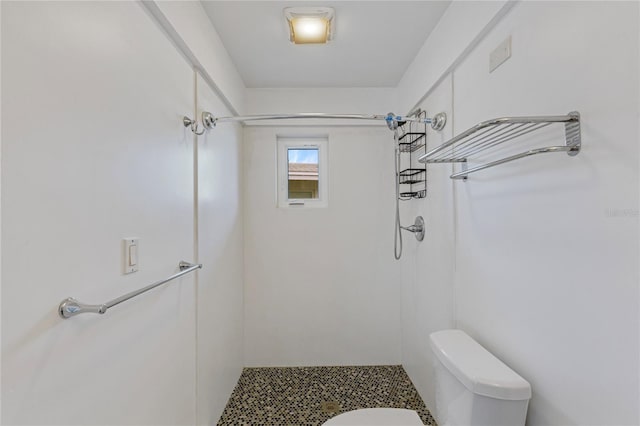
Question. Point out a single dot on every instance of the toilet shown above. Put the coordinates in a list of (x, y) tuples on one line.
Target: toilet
[(376, 417), (473, 388)]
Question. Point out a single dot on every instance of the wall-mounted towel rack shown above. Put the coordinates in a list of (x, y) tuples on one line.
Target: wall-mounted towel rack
[(492, 133), (70, 306)]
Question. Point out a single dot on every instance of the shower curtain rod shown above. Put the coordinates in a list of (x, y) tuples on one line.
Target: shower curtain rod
[(209, 121)]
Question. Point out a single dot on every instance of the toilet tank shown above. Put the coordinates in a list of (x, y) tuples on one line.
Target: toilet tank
[(473, 387)]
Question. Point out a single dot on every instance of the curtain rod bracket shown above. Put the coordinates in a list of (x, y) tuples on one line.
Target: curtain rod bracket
[(208, 120), (193, 124)]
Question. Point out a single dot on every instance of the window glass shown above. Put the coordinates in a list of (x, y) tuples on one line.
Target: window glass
[(303, 173)]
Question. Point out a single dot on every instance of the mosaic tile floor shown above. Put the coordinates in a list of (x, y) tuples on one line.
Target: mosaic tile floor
[(309, 396)]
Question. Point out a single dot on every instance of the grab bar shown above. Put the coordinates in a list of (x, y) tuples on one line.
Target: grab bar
[(70, 307)]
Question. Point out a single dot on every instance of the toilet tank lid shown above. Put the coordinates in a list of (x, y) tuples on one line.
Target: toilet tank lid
[(476, 368)]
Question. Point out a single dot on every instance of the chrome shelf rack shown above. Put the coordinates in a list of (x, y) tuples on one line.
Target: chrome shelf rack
[(490, 134)]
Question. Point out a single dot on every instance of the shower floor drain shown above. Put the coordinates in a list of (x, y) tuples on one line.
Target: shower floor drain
[(330, 407)]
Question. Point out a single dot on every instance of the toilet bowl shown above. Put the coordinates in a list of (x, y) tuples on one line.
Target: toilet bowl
[(376, 417)]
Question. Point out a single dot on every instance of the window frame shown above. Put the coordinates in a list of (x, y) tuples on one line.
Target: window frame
[(284, 144)]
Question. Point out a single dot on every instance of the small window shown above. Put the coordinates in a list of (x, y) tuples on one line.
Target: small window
[(302, 177)]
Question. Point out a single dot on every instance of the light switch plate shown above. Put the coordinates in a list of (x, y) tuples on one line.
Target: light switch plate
[(130, 254), (500, 54)]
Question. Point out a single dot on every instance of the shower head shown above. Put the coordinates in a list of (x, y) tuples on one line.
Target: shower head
[(393, 121)]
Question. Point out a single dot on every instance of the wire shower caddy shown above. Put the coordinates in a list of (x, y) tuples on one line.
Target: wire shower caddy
[(413, 143)]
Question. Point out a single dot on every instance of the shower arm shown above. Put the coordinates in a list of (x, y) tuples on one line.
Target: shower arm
[(209, 121)]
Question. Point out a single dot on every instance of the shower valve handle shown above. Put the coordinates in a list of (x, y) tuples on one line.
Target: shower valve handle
[(417, 228)]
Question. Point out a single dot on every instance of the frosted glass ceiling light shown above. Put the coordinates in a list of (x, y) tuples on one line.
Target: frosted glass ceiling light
[(309, 25)]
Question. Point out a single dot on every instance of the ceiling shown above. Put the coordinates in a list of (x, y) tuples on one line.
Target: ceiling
[(374, 42)]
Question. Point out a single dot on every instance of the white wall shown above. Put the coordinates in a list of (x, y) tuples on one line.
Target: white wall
[(0, 208), (321, 285), (369, 100), (427, 266), (220, 239), (546, 248), (106, 157), (219, 90), (460, 28), (93, 152), (546, 277), (188, 25)]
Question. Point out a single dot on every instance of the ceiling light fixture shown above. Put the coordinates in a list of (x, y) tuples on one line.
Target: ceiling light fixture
[(310, 25)]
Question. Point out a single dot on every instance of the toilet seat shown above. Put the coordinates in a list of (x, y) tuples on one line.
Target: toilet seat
[(376, 417)]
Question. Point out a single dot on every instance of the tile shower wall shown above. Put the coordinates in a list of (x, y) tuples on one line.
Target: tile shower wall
[(321, 285), (546, 248)]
